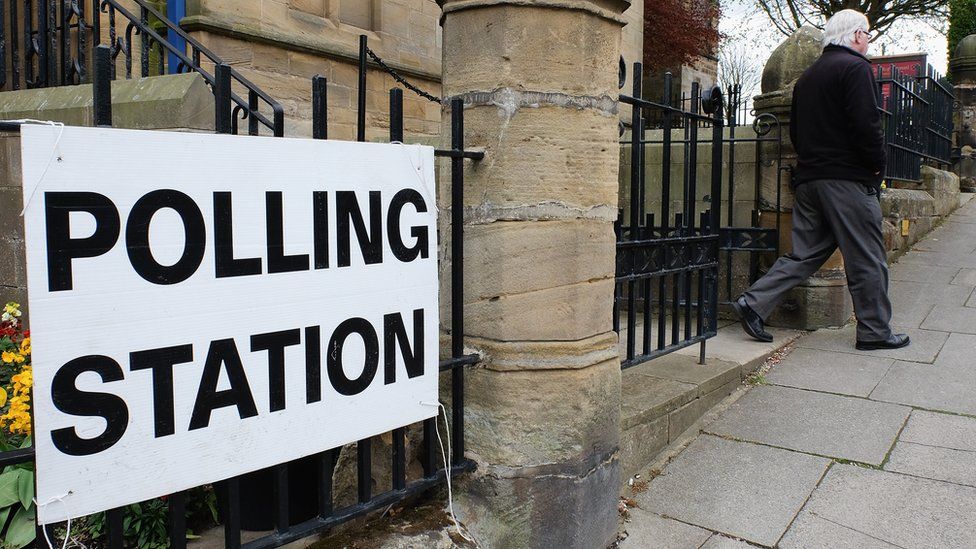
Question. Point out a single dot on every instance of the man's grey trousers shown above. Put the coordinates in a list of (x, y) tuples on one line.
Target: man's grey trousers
[(828, 214)]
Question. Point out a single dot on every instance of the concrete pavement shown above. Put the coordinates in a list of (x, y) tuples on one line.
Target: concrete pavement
[(842, 448)]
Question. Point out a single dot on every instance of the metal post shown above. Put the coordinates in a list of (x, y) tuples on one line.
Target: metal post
[(102, 86), (320, 107), (222, 97), (280, 487), (364, 469), (14, 58), (399, 435), (715, 221), (3, 49), (176, 522), (232, 508), (636, 154), (327, 464), (457, 278), (252, 109), (115, 528), (665, 208), (361, 107)]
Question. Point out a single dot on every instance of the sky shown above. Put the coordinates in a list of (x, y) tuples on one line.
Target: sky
[(749, 30)]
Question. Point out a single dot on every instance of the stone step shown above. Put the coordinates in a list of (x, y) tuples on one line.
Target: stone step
[(662, 398)]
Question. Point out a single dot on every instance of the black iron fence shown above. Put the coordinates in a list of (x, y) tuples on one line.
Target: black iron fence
[(317, 471), (46, 43), (671, 272), (917, 114), (667, 265)]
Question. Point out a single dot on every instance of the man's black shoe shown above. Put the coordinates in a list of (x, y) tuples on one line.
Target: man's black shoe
[(752, 323), (896, 341)]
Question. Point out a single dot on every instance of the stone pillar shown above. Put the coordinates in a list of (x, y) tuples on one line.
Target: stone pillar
[(963, 69), (539, 81), (823, 300)]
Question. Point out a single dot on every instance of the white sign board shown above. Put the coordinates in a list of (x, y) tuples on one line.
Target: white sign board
[(202, 306)]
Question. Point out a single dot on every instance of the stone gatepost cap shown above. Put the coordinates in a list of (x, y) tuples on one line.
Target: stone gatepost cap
[(595, 6), (791, 58), (963, 62)]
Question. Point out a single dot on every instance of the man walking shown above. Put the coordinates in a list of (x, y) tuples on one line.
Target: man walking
[(836, 130)]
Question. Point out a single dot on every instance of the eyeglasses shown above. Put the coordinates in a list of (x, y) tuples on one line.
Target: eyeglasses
[(867, 34)]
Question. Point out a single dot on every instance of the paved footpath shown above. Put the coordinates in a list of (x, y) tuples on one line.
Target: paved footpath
[(842, 448)]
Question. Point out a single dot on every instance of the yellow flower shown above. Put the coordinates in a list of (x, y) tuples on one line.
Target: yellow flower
[(25, 346), (3, 396), (12, 308), (8, 357)]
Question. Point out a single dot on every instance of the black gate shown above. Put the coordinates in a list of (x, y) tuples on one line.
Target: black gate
[(666, 291), (677, 263), (315, 473)]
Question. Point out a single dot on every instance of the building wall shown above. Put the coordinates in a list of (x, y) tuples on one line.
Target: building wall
[(631, 50), (280, 44), (704, 71)]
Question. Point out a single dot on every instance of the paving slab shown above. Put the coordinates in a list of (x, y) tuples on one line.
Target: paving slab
[(945, 318), (925, 344), (904, 292), (966, 277), (911, 302), (942, 430), (958, 353), (748, 491), (831, 372), (937, 259), (901, 510), (813, 532), (721, 542), (926, 386), (646, 530), (817, 423), (945, 239), (945, 464), (926, 274)]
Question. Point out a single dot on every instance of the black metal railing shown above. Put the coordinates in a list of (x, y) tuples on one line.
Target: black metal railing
[(916, 110), (667, 267), (742, 239), (51, 43), (324, 464)]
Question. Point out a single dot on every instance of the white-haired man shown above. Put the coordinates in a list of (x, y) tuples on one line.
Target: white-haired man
[(836, 130)]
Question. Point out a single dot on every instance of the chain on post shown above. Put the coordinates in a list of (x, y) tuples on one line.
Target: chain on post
[(396, 76)]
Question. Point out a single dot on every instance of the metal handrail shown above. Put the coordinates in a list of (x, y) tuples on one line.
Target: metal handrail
[(248, 107)]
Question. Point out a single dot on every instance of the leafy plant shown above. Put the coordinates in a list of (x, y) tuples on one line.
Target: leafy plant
[(962, 22), (17, 509), (144, 525)]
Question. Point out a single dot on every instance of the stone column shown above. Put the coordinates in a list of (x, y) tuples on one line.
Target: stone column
[(823, 300), (963, 68), (539, 81)]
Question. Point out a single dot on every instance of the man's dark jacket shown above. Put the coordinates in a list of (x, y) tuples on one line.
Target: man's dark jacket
[(836, 125)]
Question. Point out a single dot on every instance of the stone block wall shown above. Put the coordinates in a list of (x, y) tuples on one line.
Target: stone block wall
[(911, 210), (13, 261), (280, 44)]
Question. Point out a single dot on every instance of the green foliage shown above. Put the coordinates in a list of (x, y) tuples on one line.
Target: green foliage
[(144, 525), (962, 21), (17, 509)]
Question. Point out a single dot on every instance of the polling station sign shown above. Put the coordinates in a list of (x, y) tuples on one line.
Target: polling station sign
[(202, 306)]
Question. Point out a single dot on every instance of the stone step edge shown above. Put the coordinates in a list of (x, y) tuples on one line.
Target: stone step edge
[(692, 417)]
